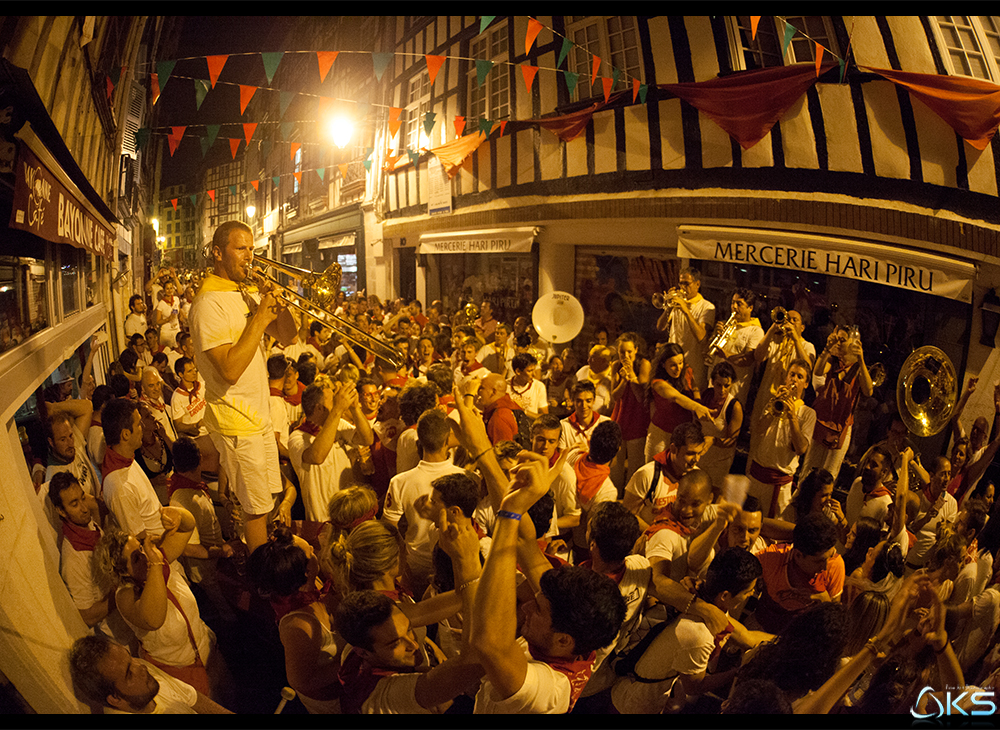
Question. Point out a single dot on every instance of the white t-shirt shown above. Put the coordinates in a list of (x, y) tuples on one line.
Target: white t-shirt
[(279, 418), (927, 537), (639, 485), (570, 433), (603, 388), (96, 445), (394, 695), (774, 448), (407, 455), (132, 500), (174, 698), (974, 639), (169, 330), (745, 339), (77, 572), (876, 508), (319, 482), (672, 546), (564, 491), (219, 318), (532, 397), (188, 410), (544, 692), (135, 324), (404, 490)]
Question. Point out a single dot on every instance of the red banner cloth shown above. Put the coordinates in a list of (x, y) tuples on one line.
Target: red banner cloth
[(969, 106), (746, 105)]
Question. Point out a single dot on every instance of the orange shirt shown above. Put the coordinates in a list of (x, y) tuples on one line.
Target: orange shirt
[(780, 601)]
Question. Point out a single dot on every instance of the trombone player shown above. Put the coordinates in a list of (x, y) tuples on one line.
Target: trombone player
[(689, 318), (228, 326)]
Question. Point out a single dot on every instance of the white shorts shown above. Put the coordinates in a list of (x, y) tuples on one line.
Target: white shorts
[(251, 462)]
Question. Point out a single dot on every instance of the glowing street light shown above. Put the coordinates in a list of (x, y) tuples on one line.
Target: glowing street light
[(251, 209), (340, 129)]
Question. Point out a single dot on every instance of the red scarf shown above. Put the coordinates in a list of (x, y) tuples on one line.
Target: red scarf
[(191, 393), (471, 367), (277, 392), (359, 679), (575, 423), (309, 427), (577, 671), (296, 398), (667, 521), (170, 301), (720, 640), (972, 554), (554, 459), (156, 405), (881, 491), (299, 599), (179, 481), (589, 477), (774, 477), (616, 576), (113, 461), (83, 539)]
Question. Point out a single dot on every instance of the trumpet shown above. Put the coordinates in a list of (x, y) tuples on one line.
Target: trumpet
[(779, 315), (663, 301), (324, 286), (778, 407), (723, 337)]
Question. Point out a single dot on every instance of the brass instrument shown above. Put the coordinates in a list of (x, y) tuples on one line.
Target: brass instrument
[(723, 337), (324, 286), (877, 374), (664, 301), (926, 391), (778, 407), (557, 317), (779, 315)]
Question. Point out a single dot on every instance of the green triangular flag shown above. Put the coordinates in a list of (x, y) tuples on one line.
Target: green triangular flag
[(141, 137), (271, 61), (286, 129), (321, 171), (643, 88), (789, 32), (200, 92), (284, 99), (485, 125), (205, 144), (614, 77), (571, 79), (276, 180), (368, 165), (213, 132), (232, 190), (414, 156), (484, 22), (482, 69), (564, 51), (380, 62), (429, 122), (163, 71), (194, 200), (843, 68)]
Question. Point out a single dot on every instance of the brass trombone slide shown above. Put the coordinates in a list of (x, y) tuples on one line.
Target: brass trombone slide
[(325, 286)]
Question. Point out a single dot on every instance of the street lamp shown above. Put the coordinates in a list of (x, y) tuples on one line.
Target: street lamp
[(340, 129), (251, 209)]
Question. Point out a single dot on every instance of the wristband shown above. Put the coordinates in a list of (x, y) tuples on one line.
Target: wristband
[(509, 515)]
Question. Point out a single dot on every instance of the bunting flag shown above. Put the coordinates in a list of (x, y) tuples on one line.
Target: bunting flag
[(284, 99), (200, 92), (453, 154), (747, 105), (292, 149), (787, 38), (256, 185), (754, 21), (819, 58), (569, 126), (194, 200), (635, 89), (213, 132), (110, 87), (394, 122), (534, 28), (163, 71), (298, 178), (173, 202), (482, 70), (154, 87), (380, 62), (141, 137), (232, 191), (643, 88), (529, 72), (564, 51), (343, 170), (429, 122), (211, 194), (485, 126), (234, 146), (246, 94), (205, 146), (271, 62), (276, 181), (414, 156), (606, 83), (503, 126), (593, 70), (434, 64), (321, 173), (178, 132), (459, 126), (215, 64), (571, 79), (325, 60), (969, 106), (484, 22), (248, 129), (285, 130)]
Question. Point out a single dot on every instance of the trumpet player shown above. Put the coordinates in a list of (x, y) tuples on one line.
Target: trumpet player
[(228, 327), (786, 427), (740, 346), (689, 318)]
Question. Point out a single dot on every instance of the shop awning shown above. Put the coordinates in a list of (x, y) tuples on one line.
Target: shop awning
[(491, 240), (348, 239), (48, 204), (863, 261)]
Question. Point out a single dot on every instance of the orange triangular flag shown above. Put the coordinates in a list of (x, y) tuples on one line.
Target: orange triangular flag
[(211, 194), (534, 28), (246, 94), (173, 202), (394, 113), (293, 147), (215, 64), (593, 71), (178, 132), (234, 145), (433, 66), (173, 142), (819, 58), (393, 128), (529, 75), (754, 20), (343, 169), (635, 90), (325, 59), (256, 185), (606, 83), (154, 86), (298, 178), (503, 126), (248, 130), (459, 126)]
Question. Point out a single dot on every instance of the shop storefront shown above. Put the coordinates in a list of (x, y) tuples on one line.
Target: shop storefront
[(316, 245)]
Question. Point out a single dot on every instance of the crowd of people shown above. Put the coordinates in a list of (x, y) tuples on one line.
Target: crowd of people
[(450, 515)]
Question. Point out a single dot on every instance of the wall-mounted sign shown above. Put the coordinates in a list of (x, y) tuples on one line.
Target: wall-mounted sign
[(871, 262), (439, 188), (494, 240)]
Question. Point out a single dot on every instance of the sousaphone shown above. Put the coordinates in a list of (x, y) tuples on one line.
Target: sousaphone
[(926, 391), (557, 317)]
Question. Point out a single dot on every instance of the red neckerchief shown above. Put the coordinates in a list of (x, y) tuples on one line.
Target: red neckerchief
[(589, 477), (315, 343), (927, 495), (295, 398), (972, 553), (309, 427), (113, 461), (667, 521), (159, 406), (471, 367), (554, 459), (277, 392), (179, 481), (616, 576), (577, 670), (662, 458), (169, 301), (191, 394), (720, 639), (575, 423), (95, 422), (480, 532), (299, 599), (358, 679), (881, 491), (83, 539)]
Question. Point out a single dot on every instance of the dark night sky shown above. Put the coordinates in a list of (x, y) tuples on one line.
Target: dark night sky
[(209, 35)]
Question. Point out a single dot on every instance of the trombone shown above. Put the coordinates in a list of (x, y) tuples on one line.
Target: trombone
[(325, 286)]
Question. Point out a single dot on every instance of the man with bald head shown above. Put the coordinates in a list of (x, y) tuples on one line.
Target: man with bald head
[(152, 396), (498, 409)]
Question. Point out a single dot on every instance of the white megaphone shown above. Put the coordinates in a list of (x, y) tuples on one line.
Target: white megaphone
[(557, 317)]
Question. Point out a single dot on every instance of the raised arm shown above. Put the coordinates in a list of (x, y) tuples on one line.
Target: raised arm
[(232, 359), (665, 390)]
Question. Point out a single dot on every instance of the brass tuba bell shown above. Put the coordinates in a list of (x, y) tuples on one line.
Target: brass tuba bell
[(926, 391)]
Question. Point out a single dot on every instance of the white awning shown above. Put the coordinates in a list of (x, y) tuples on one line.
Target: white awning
[(492, 240), (337, 241)]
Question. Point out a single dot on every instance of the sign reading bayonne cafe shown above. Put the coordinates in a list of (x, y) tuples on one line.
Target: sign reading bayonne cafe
[(878, 264)]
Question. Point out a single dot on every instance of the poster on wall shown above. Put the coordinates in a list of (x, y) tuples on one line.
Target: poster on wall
[(439, 188)]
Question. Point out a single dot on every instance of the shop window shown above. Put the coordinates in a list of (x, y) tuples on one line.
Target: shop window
[(969, 44), (418, 103), (749, 52), (23, 302), (70, 275), (615, 39), (508, 282), (492, 99), (96, 268)]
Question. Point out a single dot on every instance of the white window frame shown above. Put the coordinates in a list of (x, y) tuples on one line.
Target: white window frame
[(791, 56), (980, 35), (417, 103), (495, 90), (580, 58)]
